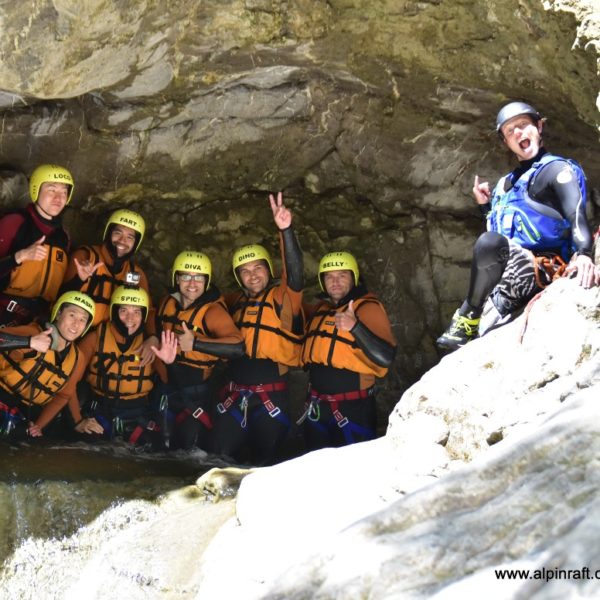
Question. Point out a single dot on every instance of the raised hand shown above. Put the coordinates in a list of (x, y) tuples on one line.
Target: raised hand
[(168, 347), (481, 191), (42, 341), (281, 215), (86, 269), (37, 251), (346, 320)]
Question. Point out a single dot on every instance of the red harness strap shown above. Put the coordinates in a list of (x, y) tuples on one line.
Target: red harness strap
[(334, 403), (234, 391), (199, 414)]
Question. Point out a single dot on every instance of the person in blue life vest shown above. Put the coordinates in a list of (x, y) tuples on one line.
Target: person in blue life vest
[(37, 361), (348, 345), (536, 230), (252, 418), (34, 248), (196, 312)]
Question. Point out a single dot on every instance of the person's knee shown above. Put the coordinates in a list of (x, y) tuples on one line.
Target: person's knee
[(491, 248)]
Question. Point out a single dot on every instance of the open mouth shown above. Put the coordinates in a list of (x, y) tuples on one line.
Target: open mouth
[(524, 144)]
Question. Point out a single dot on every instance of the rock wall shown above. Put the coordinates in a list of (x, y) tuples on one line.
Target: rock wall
[(372, 116)]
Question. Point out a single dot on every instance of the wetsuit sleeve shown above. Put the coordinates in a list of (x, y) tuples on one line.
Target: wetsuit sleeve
[(9, 226), (68, 394), (19, 332), (10, 341), (373, 334), (288, 294), (485, 209), (50, 410), (291, 255), (225, 340), (557, 185)]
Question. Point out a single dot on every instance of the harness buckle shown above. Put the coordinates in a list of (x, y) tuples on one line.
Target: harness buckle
[(196, 414), (341, 420), (221, 408), (151, 426), (274, 412), (10, 307)]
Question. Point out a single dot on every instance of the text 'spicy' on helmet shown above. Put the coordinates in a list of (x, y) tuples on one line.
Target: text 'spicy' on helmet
[(247, 254), (129, 296), (50, 174), (192, 262), (338, 261), (515, 109), (76, 299), (127, 218)]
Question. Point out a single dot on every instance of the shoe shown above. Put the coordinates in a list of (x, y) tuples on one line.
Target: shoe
[(461, 330)]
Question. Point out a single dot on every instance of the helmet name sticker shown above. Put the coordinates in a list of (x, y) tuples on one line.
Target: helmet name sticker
[(245, 256), (328, 265)]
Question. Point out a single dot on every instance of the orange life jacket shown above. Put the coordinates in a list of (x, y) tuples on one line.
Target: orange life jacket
[(266, 334), (36, 377), (116, 374), (171, 316), (325, 344), (103, 282), (39, 278)]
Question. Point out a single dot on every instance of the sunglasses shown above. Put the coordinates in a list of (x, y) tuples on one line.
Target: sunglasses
[(188, 277)]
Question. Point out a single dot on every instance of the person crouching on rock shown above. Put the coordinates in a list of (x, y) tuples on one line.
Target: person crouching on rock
[(117, 387), (348, 344), (536, 222), (36, 362), (196, 312)]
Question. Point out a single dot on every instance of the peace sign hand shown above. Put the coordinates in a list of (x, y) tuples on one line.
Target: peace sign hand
[(281, 215)]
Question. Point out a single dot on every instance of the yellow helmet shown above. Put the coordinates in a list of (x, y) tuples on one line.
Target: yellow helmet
[(247, 254), (192, 262), (338, 261), (49, 174), (127, 218), (131, 296), (77, 299)]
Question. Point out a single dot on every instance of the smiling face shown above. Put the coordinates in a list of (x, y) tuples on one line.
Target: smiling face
[(523, 136), (338, 284), (52, 199), (254, 276), (123, 239), (192, 289), (71, 321), (131, 316)]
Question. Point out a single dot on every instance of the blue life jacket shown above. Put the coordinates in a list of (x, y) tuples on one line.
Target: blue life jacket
[(533, 225)]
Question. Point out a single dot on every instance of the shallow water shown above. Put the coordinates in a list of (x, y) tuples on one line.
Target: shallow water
[(50, 491)]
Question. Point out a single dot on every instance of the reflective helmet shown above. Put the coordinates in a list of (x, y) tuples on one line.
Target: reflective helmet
[(127, 218), (130, 296), (192, 262), (50, 174), (76, 299), (514, 109), (338, 261), (247, 254)]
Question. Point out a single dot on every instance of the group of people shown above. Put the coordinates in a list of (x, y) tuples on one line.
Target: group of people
[(83, 351)]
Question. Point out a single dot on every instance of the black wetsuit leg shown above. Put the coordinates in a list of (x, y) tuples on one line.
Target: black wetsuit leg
[(490, 257)]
